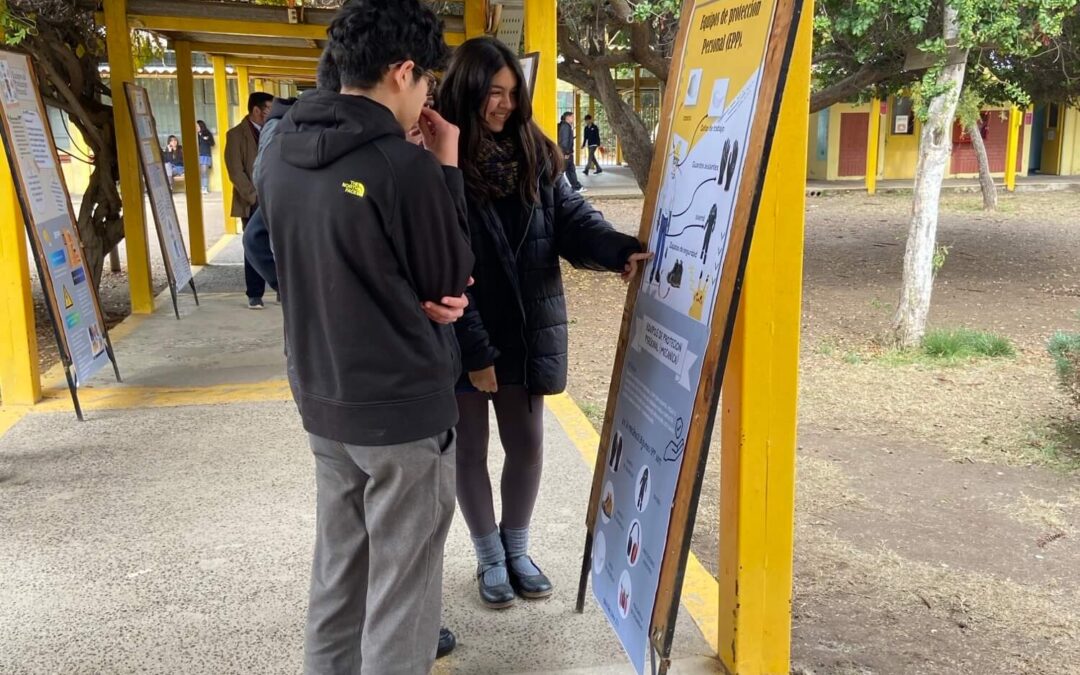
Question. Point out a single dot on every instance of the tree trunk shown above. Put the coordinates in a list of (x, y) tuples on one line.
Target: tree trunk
[(634, 136), (989, 191), (935, 148)]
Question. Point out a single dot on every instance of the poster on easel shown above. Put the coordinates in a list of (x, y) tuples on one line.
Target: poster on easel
[(70, 296), (159, 189), (719, 116), (530, 65)]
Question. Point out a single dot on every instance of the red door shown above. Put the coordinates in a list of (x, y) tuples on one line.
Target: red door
[(854, 128), (995, 137)]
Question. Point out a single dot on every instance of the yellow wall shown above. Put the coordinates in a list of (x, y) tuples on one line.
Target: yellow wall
[(833, 162), (1070, 143)]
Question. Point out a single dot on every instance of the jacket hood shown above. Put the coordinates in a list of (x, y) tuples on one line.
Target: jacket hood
[(279, 107), (322, 127)]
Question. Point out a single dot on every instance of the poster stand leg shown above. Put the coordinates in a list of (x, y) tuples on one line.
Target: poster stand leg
[(74, 392), (175, 304), (194, 292), (112, 357), (583, 582)]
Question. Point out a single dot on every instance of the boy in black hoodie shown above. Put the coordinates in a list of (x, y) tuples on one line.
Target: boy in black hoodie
[(366, 227)]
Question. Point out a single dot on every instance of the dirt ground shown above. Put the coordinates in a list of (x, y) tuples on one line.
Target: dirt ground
[(938, 508)]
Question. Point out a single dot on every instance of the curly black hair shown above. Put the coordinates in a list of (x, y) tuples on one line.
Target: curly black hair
[(366, 37)]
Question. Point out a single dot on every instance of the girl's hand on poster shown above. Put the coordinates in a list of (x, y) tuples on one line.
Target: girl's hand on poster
[(440, 137), (484, 380), (632, 264)]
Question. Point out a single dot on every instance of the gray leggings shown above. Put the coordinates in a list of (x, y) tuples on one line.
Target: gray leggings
[(521, 428)]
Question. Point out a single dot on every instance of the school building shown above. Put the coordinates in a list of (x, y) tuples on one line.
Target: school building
[(841, 139)]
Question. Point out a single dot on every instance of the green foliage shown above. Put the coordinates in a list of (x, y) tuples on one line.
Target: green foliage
[(16, 28), (873, 37), (965, 344), (1065, 348), (941, 253)]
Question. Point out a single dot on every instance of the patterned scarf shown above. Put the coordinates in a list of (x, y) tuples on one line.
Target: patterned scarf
[(500, 165)]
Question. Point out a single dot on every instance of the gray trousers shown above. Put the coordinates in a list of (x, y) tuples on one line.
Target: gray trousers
[(376, 582)]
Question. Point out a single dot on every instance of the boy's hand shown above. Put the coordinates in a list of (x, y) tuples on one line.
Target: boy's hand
[(484, 380), (440, 137), (448, 310)]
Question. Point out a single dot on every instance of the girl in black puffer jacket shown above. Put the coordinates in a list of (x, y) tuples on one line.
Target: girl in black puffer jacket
[(523, 216)]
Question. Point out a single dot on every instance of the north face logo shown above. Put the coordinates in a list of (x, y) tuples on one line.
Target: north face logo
[(354, 187)]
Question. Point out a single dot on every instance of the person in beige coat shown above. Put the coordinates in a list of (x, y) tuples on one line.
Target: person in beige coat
[(241, 149)]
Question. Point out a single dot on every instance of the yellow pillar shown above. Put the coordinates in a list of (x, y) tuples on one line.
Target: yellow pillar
[(637, 90), (475, 18), (185, 88), (121, 70), (759, 404), (872, 146), (540, 21), (1016, 118), (221, 110), (243, 88), (20, 377)]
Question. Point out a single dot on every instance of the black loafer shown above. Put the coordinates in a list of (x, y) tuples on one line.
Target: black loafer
[(530, 586), (447, 642), (494, 596)]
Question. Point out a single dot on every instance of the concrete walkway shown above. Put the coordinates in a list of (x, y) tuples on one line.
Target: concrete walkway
[(172, 531), (1023, 184)]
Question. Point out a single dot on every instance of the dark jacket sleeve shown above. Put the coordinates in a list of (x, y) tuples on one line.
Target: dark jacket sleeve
[(433, 228), (584, 238), (566, 138), (477, 352)]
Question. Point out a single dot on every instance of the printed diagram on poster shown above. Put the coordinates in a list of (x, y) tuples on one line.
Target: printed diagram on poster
[(721, 104), (50, 223)]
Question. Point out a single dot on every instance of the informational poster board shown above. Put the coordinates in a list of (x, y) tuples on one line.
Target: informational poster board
[(50, 222), (720, 112), (530, 64), (159, 189)]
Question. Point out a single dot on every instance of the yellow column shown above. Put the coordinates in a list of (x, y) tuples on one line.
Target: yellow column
[(1016, 118), (243, 88), (540, 21), (475, 18), (185, 88), (122, 69), (872, 146), (20, 377), (759, 404), (221, 109)]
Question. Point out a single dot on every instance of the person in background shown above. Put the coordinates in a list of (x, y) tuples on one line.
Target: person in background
[(173, 156), (206, 144), (591, 132), (241, 149), (364, 225), (523, 217), (566, 145)]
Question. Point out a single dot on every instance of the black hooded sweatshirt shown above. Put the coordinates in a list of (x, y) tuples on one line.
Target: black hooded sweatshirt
[(366, 226)]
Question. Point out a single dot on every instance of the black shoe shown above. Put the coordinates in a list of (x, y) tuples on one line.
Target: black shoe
[(494, 596), (447, 642), (530, 586)]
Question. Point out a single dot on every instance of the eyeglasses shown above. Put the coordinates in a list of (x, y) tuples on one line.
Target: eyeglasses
[(428, 75)]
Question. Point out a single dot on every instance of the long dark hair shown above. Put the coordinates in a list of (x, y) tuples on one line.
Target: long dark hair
[(463, 97)]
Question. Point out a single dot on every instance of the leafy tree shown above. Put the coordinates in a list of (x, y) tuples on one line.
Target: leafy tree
[(66, 47), (597, 37)]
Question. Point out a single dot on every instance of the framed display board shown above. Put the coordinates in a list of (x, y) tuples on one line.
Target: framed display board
[(57, 249), (529, 66)]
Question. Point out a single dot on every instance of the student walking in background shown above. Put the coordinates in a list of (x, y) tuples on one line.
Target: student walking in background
[(591, 132), (523, 217), (566, 147)]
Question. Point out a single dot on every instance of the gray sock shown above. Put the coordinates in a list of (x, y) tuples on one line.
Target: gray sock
[(492, 558), (517, 550)]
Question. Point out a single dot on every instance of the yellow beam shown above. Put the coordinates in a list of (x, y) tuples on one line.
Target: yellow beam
[(221, 109), (759, 403), (185, 88), (20, 375), (872, 137), (475, 18), (454, 39), (188, 24), (271, 64), (275, 51), (121, 70), (1016, 118), (540, 37)]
